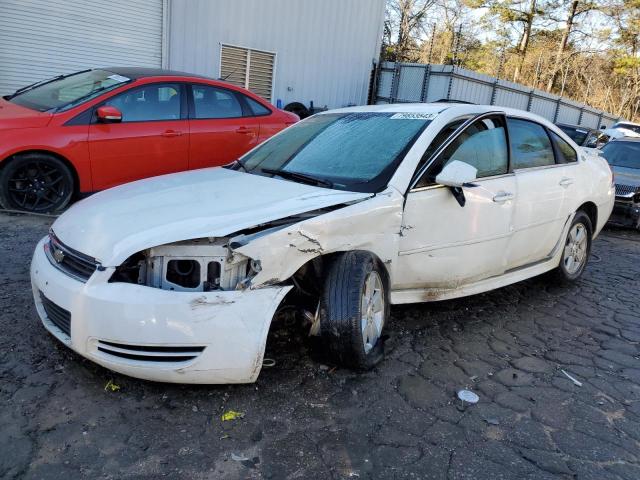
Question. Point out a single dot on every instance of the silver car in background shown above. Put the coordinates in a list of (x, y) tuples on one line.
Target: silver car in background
[(623, 156)]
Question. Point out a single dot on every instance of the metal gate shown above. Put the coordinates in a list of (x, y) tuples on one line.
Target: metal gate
[(416, 82)]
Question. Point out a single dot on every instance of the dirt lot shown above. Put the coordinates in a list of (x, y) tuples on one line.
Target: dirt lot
[(306, 419)]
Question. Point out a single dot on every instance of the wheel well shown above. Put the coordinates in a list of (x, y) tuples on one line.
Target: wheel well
[(591, 210), (313, 270), (74, 173)]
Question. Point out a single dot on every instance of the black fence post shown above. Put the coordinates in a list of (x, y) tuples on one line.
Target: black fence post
[(394, 83), (494, 89), (555, 115), (530, 101), (580, 116), (425, 83), (374, 81)]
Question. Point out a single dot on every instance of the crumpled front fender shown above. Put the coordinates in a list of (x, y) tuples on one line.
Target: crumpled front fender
[(372, 225)]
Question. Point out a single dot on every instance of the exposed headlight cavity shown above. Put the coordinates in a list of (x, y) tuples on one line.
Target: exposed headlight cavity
[(194, 266)]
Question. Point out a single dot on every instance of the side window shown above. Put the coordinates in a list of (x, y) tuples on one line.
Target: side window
[(483, 144), (530, 144), (150, 103), (213, 102), (566, 151), (257, 108), (439, 139)]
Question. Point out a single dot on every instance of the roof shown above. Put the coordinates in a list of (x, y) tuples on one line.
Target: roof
[(571, 125), (437, 108), (626, 139), (141, 72)]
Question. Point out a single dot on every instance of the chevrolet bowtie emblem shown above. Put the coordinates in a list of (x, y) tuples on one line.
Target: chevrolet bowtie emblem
[(58, 255)]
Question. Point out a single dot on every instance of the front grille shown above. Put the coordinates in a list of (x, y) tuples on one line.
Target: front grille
[(149, 353), (625, 190), (71, 262), (60, 317)]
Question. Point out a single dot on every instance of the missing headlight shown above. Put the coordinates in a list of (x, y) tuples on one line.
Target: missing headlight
[(185, 273), (191, 266)]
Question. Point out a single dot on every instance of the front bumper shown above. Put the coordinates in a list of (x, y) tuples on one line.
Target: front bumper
[(626, 213), (224, 332)]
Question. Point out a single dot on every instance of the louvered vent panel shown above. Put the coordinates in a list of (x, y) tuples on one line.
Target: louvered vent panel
[(251, 69), (233, 67), (261, 73)]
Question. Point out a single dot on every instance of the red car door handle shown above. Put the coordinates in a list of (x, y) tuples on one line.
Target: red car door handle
[(171, 133), (244, 130)]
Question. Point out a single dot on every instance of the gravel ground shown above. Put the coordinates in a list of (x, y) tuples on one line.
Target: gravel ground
[(306, 419)]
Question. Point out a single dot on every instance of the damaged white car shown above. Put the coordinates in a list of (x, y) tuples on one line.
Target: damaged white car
[(177, 278)]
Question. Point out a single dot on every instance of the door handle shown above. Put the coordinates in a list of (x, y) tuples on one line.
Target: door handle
[(502, 197), (565, 182), (171, 133), (244, 130)]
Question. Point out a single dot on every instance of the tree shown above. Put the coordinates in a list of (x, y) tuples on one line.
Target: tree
[(407, 18), (520, 15), (575, 9)]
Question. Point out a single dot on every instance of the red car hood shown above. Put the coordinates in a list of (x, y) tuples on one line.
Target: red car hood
[(15, 116)]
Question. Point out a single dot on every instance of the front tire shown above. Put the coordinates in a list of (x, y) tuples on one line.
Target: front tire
[(36, 182), (576, 251), (354, 309)]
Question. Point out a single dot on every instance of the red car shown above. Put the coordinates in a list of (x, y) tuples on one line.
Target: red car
[(91, 130)]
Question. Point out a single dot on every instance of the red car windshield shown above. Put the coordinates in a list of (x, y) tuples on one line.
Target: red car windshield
[(62, 93)]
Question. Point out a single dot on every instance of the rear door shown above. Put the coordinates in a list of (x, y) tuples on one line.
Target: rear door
[(445, 245), (541, 205), (152, 139), (222, 127)]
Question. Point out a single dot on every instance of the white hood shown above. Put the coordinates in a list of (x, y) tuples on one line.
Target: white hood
[(114, 224)]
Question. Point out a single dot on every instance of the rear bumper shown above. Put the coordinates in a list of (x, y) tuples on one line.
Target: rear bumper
[(154, 334), (625, 213)]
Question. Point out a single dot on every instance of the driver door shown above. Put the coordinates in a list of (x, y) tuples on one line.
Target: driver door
[(445, 245)]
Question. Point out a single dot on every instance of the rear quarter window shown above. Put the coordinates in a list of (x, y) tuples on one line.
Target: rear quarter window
[(530, 144), (566, 153)]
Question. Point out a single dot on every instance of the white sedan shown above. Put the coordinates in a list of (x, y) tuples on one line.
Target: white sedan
[(177, 278)]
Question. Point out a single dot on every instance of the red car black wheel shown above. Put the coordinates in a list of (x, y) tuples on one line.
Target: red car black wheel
[(35, 183)]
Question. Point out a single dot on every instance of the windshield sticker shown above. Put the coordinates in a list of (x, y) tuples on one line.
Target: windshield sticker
[(119, 78), (413, 116), (581, 131)]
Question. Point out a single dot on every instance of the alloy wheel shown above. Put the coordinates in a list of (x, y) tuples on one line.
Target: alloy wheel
[(575, 250), (372, 310), (37, 186)]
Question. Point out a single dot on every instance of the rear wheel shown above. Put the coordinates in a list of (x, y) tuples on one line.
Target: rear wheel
[(577, 248), (354, 310), (35, 182)]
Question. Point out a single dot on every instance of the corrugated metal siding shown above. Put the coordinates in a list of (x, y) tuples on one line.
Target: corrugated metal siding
[(406, 82), (43, 38), (324, 49)]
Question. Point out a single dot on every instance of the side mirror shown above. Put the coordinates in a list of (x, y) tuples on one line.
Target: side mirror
[(109, 114), (456, 174)]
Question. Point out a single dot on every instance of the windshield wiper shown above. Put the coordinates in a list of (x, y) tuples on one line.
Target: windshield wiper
[(234, 163), (303, 177), (40, 83)]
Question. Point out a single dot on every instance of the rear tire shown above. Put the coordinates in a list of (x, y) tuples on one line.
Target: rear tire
[(576, 250), (36, 182), (354, 309)]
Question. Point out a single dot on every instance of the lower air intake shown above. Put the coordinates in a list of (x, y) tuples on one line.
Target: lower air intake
[(148, 353)]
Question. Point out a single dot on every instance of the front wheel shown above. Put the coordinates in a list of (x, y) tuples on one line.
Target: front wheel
[(577, 248), (354, 310), (35, 182)]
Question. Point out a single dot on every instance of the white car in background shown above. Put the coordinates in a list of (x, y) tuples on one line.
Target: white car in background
[(623, 129), (177, 278)]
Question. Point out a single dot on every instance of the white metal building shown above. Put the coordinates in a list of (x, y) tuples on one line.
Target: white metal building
[(284, 50)]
